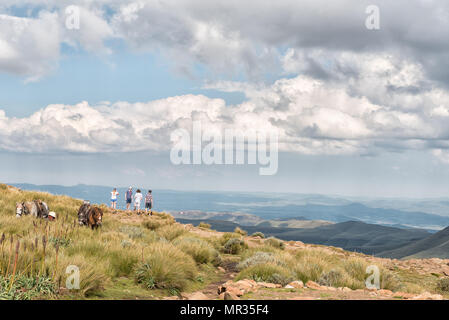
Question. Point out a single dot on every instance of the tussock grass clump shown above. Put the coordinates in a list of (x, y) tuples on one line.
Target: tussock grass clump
[(240, 231), (93, 273), (282, 259), (333, 278), (204, 225), (26, 288), (311, 265), (234, 246), (122, 262), (390, 281), (171, 232), (165, 216), (154, 224), (228, 235), (443, 285), (276, 243), (331, 270), (158, 220), (258, 258), (355, 268), (268, 272), (201, 251), (165, 267), (258, 234), (271, 255)]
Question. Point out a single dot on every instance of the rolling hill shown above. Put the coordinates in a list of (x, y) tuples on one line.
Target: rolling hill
[(360, 212), (351, 236), (300, 223), (436, 245)]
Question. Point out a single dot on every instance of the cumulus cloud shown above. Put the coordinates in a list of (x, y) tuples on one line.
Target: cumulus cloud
[(29, 46), (250, 36), (345, 89), (311, 116)]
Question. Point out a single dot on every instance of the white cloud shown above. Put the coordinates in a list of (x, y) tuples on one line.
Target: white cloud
[(234, 36), (312, 117), (350, 91), (29, 46)]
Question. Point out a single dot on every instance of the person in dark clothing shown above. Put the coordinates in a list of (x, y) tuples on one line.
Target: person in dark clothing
[(129, 198), (149, 202)]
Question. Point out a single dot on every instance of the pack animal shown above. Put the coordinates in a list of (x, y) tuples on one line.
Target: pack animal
[(82, 213), (95, 218), (36, 208), (90, 216)]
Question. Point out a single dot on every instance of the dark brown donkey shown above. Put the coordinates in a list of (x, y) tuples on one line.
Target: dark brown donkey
[(94, 217)]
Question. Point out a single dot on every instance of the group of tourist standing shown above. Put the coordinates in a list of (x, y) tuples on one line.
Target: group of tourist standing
[(136, 198)]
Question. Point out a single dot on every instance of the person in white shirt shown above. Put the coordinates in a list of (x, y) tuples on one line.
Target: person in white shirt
[(114, 195), (137, 200)]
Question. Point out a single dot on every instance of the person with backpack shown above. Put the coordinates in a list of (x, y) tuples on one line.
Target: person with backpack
[(149, 203), (129, 197)]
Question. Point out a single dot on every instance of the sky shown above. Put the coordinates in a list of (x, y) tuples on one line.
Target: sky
[(93, 93)]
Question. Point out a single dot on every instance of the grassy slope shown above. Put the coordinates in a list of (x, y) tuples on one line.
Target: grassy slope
[(152, 257), (436, 245)]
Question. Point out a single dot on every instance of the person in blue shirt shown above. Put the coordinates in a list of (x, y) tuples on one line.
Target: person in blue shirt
[(129, 198)]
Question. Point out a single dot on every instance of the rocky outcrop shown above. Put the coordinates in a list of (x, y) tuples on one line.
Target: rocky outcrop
[(428, 296)]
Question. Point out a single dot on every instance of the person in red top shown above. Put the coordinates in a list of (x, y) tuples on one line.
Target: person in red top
[(149, 202)]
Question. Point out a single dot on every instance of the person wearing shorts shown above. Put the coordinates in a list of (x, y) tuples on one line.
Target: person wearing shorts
[(137, 200), (129, 197), (149, 203), (114, 195)]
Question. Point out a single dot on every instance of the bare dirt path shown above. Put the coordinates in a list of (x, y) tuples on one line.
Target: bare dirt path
[(230, 270)]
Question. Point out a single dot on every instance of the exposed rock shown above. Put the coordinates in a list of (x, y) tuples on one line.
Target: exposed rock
[(428, 296), (297, 284), (403, 295), (268, 285), (313, 285), (238, 288), (385, 292), (246, 285), (236, 291), (328, 288), (289, 287), (221, 269)]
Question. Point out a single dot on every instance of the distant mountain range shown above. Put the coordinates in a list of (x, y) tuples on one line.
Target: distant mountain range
[(351, 235), (271, 206)]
